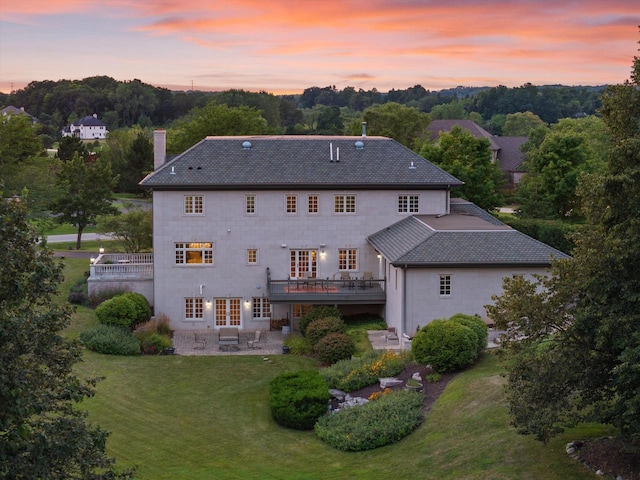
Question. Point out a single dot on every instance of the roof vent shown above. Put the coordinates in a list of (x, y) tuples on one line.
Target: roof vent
[(360, 145), (412, 166), (364, 129), (173, 171), (246, 145)]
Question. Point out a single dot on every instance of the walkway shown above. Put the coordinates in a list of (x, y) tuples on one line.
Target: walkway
[(184, 343), (379, 340)]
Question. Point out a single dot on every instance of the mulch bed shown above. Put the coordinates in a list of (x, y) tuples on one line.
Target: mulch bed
[(431, 391), (612, 457)]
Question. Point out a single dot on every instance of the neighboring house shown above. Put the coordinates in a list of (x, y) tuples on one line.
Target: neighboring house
[(11, 110), (247, 229), (87, 128), (505, 150)]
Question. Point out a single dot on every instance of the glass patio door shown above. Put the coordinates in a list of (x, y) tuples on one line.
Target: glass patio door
[(228, 312), (304, 263)]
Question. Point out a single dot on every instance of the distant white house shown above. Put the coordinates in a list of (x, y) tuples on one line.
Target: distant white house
[(86, 128), (11, 110)]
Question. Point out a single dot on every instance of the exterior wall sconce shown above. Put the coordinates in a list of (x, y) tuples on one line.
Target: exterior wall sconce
[(322, 245), (247, 304), (101, 250), (379, 256), (284, 245)]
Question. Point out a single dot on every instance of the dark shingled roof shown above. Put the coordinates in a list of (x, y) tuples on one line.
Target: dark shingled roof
[(459, 240), (292, 162), (89, 121)]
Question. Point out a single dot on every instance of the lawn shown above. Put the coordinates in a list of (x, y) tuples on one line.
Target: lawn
[(178, 417)]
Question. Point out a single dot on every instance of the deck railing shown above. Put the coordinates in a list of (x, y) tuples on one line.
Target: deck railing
[(122, 265)]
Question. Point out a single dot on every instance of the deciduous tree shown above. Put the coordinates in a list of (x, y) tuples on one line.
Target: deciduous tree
[(43, 435), (133, 229), (403, 124), (86, 192)]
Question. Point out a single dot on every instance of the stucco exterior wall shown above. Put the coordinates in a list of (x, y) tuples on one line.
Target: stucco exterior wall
[(225, 223)]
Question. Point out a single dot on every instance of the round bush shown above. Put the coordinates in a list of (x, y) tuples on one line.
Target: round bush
[(334, 347), (119, 311), (111, 340), (476, 324), (143, 309), (320, 328), (380, 422), (298, 399), (322, 311), (445, 345)]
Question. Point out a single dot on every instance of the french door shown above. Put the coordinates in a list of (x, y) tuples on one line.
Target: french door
[(228, 312), (303, 264)]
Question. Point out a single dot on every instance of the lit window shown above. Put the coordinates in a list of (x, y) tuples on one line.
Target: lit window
[(344, 204), (193, 204), (347, 259), (261, 308), (445, 285), (313, 203), (408, 204), (300, 310), (250, 205), (252, 256), (291, 204), (193, 309), (194, 253)]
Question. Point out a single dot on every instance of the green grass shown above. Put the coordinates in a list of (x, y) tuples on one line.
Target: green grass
[(177, 417), (110, 246), (68, 229)]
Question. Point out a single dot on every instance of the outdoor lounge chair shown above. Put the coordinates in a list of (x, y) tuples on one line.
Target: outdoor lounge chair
[(256, 339)]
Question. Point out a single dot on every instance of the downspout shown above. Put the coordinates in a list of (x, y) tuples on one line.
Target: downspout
[(403, 316)]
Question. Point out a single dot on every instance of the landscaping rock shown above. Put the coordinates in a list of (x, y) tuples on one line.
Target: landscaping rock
[(389, 382)]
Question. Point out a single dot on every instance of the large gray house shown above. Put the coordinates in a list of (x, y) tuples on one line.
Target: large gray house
[(251, 228)]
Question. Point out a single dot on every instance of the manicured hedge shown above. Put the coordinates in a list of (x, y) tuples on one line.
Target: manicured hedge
[(334, 347), (143, 309), (322, 311), (111, 340), (446, 345), (298, 399), (380, 422), (476, 324), (120, 311)]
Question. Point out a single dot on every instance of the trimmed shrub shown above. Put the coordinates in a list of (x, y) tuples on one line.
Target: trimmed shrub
[(152, 342), (476, 324), (143, 309), (381, 422), (97, 298), (298, 345), (334, 347), (111, 340), (322, 311), (446, 345), (357, 373), (321, 327), (119, 311), (298, 399)]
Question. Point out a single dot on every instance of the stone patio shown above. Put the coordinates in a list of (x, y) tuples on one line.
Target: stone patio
[(184, 343)]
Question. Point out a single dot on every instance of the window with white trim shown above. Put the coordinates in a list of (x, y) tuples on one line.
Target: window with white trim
[(301, 309), (408, 203), (291, 204), (348, 259), (194, 204), (250, 204), (193, 309), (194, 253), (312, 204), (261, 308), (252, 256), (344, 204), (445, 285)]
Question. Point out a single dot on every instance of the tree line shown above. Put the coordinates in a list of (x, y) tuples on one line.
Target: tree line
[(317, 110)]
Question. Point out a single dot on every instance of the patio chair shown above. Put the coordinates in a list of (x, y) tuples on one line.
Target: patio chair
[(347, 278), (199, 342), (367, 277), (256, 339), (391, 334)]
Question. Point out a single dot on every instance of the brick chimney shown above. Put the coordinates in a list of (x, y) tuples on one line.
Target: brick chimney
[(159, 148)]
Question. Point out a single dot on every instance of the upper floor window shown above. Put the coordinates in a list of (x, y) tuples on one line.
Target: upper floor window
[(250, 204), (252, 256), (194, 204), (445, 285), (408, 204), (291, 204), (347, 259), (193, 309), (312, 204), (194, 253), (344, 204), (261, 307)]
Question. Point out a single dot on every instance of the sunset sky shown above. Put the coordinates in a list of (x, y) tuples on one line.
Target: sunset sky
[(286, 46)]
